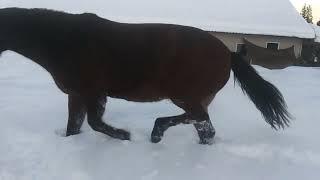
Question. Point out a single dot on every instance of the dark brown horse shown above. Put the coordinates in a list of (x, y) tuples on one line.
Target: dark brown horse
[(91, 58)]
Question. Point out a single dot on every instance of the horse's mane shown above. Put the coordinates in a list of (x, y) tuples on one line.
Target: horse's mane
[(33, 11), (42, 14), (41, 17)]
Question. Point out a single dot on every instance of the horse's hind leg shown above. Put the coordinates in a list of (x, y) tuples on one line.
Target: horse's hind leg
[(163, 123), (96, 108), (77, 113), (205, 129), (195, 114)]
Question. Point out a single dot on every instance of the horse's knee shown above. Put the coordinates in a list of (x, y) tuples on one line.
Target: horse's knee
[(159, 123), (93, 123), (96, 108), (158, 127)]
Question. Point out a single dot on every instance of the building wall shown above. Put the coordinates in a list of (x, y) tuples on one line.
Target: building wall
[(231, 40)]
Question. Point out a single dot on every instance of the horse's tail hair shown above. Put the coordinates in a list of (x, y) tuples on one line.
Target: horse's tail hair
[(266, 97)]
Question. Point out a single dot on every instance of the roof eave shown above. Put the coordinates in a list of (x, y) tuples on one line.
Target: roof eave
[(268, 34)]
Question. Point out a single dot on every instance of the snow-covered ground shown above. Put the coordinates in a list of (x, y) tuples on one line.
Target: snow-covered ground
[(33, 115)]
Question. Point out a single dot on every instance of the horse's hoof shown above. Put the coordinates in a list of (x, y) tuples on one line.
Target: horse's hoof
[(123, 134), (206, 141), (71, 133), (65, 133), (155, 139)]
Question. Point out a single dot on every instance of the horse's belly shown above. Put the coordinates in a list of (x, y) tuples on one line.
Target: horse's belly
[(143, 94)]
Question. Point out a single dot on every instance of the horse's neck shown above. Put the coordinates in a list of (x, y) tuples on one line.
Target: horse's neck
[(21, 36), (34, 55), (35, 51)]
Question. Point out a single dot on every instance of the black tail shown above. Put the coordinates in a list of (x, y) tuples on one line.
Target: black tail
[(264, 95)]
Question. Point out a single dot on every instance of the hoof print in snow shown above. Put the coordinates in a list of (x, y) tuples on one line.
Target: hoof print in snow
[(64, 133), (61, 132)]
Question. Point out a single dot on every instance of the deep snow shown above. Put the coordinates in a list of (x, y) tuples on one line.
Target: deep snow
[(33, 115)]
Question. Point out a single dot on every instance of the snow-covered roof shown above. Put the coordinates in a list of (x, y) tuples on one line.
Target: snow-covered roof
[(317, 32), (267, 17)]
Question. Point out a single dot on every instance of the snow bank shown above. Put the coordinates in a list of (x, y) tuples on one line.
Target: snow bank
[(269, 17), (33, 115)]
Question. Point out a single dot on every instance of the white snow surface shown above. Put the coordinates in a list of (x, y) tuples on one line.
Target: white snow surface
[(267, 17), (34, 115), (317, 32)]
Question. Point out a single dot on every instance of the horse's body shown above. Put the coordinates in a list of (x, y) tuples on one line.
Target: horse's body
[(91, 58)]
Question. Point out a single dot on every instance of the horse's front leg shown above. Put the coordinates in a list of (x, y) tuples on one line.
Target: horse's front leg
[(96, 108), (77, 112)]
